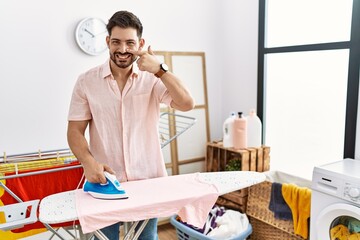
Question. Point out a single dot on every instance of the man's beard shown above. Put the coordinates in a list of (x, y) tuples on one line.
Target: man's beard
[(122, 60)]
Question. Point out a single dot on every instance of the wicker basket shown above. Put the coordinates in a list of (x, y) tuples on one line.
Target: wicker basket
[(265, 225)]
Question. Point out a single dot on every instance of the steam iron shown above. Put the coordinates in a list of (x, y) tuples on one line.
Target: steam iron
[(110, 190)]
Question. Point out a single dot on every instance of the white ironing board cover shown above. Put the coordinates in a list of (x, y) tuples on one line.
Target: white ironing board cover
[(229, 181), (64, 207), (58, 208)]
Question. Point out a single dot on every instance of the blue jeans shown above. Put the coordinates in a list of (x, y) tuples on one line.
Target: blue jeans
[(149, 232)]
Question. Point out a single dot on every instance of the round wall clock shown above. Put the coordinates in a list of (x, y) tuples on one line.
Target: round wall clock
[(90, 35)]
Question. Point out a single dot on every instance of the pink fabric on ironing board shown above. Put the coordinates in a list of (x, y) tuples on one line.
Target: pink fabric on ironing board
[(183, 194)]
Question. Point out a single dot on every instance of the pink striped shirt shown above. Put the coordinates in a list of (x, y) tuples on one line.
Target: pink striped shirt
[(123, 126)]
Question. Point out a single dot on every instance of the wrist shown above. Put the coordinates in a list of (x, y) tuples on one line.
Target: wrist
[(163, 69), (88, 161)]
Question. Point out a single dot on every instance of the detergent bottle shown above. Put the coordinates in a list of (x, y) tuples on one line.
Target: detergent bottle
[(240, 128), (254, 128), (228, 131)]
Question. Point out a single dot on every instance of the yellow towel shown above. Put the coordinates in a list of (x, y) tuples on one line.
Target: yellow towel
[(354, 236), (299, 200), (339, 232)]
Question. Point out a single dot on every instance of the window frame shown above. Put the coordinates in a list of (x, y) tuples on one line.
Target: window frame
[(353, 72)]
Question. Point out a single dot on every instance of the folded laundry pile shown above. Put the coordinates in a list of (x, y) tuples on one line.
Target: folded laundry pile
[(223, 223)]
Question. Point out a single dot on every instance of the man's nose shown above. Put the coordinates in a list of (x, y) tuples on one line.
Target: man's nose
[(122, 48)]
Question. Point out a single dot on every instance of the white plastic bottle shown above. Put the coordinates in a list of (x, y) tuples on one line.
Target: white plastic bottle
[(254, 129), (240, 129), (228, 131)]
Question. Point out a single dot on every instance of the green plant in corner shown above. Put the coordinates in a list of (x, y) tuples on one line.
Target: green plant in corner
[(233, 165)]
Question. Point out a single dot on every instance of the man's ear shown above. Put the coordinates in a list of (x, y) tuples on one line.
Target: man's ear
[(108, 41), (141, 43)]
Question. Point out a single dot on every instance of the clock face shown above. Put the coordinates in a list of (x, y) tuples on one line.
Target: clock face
[(91, 35)]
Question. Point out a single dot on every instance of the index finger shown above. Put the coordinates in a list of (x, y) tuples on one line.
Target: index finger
[(136, 52)]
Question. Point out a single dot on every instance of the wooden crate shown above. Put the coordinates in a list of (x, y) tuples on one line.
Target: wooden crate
[(235, 200), (252, 159)]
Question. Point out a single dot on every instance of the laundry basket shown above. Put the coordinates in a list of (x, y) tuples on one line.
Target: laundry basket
[(186, 233)]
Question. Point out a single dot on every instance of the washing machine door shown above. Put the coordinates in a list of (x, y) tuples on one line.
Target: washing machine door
[(338, 221)]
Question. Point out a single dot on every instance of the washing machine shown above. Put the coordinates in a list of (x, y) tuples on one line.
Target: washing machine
[(335, 201)]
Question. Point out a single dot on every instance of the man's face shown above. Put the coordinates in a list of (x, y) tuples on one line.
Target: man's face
[(119, 41)]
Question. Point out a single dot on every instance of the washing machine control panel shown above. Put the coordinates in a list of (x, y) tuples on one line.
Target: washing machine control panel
[(352, 192)]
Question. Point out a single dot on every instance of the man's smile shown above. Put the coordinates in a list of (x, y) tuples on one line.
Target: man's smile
[(122, 56)]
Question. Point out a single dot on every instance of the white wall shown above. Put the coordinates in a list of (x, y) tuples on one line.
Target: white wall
[(240, 42), (40, 60)]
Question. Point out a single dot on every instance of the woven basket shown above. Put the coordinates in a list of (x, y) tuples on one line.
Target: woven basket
[(265, 225)]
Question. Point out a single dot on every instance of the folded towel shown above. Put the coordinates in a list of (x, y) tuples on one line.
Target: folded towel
[(277, 203), (299, 200)]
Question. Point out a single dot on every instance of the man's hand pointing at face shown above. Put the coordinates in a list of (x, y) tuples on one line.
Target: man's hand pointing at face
[(147, 60)]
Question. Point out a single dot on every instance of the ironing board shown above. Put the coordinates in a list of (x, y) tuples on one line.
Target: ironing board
[(61, 207)]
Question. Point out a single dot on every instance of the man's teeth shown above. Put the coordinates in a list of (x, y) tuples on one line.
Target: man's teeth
[(122, 56)]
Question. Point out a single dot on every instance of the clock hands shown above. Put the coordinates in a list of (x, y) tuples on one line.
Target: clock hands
[(92, 35)]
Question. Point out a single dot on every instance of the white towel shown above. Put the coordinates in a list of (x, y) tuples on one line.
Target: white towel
[(231, 224)]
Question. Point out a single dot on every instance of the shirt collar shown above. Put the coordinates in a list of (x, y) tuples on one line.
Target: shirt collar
[(106, 71)]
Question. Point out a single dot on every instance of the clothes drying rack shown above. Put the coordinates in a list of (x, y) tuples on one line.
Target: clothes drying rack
[(171, 125)]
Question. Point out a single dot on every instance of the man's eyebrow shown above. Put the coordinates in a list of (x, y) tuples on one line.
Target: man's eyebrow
[(127, 40)]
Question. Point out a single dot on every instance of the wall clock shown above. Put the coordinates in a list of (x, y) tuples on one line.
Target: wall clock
[(90, 35)]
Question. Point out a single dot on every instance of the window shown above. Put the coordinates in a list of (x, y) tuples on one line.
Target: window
[(308, 81), (290, 23)]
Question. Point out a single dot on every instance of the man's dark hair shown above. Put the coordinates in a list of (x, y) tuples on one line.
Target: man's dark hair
[(125, 19)]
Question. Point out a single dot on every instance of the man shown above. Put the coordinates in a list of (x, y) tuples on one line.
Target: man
[(120, 101)]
